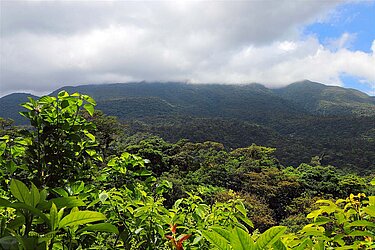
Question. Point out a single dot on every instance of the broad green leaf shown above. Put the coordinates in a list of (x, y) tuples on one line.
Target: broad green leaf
[(5, 138), (247, 221), (3, 146), (112, 162), (53, 217), (372, 182), (371, 200), (338, 239), (89, 108), (197, 240), (313, 230), (90, 152), (46, 99), (338, 201), (328, 209), (61, 192), (91, 136), (370, 210), (223, 232), (68, 202), (314, 214), (321, 220), (33, 210), (89, 99), (216, 239), (5, 203), (76, 187), (98, 158), (240, 239), (340, 217), (22, 141), (141, 211), (35, 196), (361, 233), (60, 214), (241, 208), (100, 227), (20, 191), (43, 195), (361, 223), (28, 106), (62, 94), (279, 245), (269, 237), (81, 218), (306, 242)]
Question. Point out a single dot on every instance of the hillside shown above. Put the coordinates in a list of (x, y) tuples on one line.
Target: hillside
[(328, 100), (245, 102), (301, 120), (10, 106), (252, 102)]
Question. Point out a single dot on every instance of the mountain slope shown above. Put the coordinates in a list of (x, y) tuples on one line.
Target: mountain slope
[(248, 102), (328, 100), (252, 102), (301, 120), (10, 106)]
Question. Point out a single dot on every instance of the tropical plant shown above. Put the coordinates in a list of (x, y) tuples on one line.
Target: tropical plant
[(60, 189)]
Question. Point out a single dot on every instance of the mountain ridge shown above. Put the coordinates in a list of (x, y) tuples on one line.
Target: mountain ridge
[(301, 120), (245, 101)]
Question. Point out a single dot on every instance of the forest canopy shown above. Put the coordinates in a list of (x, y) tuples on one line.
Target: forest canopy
[(79, 179)]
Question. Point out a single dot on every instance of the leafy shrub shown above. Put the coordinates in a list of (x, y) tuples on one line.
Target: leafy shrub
[(61, 190)]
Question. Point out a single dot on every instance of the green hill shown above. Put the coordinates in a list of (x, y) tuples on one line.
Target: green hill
[(252, 102), (10, 106), (328, 100), (246, 102), (301, 120)]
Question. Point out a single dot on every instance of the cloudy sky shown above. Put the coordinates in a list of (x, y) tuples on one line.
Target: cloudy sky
[(49, 44)]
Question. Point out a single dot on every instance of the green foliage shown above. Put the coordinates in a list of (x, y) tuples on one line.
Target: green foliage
[(238, 239), (11, 150), (36, 222), (319, 180), (60, 139), (61, 189)]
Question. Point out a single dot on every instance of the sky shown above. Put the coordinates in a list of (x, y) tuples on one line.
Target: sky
[(45, 45)]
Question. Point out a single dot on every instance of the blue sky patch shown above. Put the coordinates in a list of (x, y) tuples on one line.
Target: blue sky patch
[(355, 83), (357, 19)]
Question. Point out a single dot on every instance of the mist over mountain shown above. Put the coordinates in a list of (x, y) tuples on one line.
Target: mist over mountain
[(301, 120)]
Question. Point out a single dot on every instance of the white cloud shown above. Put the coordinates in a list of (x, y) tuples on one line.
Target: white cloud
[(284, 62), (48, 45), (344, 41)]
